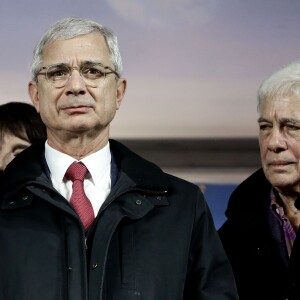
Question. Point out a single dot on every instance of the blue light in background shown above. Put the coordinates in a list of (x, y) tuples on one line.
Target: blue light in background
[(217, 196)]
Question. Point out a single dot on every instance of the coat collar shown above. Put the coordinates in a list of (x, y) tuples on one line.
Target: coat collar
[(30, 166), (145, 174), (250, 202)]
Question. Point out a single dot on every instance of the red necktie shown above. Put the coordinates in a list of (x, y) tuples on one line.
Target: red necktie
[(80, 202)]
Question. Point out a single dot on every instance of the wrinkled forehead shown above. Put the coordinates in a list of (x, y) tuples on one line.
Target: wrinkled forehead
[(281, 106), (89, 47), (288, 98)]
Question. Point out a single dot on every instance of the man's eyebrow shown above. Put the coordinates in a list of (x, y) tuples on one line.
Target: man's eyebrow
[(261, 119), (283, 120), (60, 64), (85, 62), (290, 120), (92, 62)]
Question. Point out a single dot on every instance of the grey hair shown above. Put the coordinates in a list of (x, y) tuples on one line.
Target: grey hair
[(69, 28), (283, 82)]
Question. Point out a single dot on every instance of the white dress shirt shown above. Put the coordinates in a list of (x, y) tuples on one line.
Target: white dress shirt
[(97, 184)]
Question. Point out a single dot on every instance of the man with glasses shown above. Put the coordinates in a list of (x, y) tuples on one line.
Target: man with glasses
[(82, 217)]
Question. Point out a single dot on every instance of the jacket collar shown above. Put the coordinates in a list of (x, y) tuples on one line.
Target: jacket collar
[(250, 202), (143, 173), (30, 166)]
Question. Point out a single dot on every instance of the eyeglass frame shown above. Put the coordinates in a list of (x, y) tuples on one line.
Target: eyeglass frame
[(79, 69)]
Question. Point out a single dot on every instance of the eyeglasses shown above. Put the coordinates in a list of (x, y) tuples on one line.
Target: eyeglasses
[(92, 73)]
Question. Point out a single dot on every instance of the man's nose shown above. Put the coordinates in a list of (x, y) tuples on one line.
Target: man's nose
[(276, 140), (75, 84)]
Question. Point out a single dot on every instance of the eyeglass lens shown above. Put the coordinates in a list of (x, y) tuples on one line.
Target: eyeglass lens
[(59, 75)]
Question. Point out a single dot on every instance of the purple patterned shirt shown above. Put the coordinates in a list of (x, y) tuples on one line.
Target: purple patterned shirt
[(288, 230)]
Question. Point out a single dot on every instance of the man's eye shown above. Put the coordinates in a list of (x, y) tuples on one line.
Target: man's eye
[(57, 73), (264, 126), (92, 73), (292, 127)]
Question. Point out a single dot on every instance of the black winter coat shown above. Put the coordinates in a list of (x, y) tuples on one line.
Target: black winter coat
[(255, 245), (153, 239)]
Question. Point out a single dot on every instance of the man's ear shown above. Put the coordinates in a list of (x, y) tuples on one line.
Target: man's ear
[(120, 92), (34, 95)]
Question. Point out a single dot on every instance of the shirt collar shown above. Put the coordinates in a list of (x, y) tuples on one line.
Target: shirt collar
[(58, 162)]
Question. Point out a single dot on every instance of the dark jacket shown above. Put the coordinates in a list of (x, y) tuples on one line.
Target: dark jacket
[(153, 238), (254, 243)]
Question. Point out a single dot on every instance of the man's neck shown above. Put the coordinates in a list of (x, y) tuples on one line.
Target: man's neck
[(78, 146)]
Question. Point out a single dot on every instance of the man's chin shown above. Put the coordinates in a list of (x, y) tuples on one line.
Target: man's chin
[(281, 180)]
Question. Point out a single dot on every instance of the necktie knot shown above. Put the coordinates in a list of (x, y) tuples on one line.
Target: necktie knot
[(76, 171)]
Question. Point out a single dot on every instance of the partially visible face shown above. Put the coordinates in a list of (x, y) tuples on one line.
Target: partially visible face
[(10, 147), (77, 107), (279, 140)]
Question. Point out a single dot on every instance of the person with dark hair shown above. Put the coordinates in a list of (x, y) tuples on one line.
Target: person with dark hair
[(82, 216), (20, 126), (261, 233)]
